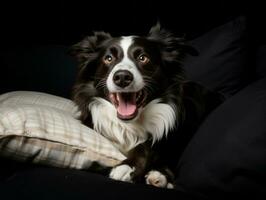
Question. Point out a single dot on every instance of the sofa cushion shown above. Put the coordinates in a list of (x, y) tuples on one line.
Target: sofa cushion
[(227, 153), (68, 184), (42, 128), (222, 61)]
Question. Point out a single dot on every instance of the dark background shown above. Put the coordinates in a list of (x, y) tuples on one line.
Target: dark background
[(35, 35), (66, 22)]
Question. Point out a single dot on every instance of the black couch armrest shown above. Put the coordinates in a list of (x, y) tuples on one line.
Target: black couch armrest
[(227, 154)]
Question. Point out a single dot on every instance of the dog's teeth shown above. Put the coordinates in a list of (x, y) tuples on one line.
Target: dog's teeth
[(117, 96), (139, 95)]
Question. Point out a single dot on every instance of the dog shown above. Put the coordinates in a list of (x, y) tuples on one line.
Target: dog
[(133, 91)]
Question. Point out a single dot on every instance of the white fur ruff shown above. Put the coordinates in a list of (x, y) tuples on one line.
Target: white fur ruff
[(156, 119)]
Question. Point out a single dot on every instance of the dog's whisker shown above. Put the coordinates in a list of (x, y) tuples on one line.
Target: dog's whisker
[(101, 84), (148, 90)]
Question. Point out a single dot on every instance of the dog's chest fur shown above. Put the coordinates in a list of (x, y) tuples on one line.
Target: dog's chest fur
[(154, 121)]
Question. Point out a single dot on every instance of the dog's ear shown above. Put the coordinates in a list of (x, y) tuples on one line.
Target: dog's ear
[(87, 48), (172, 47)]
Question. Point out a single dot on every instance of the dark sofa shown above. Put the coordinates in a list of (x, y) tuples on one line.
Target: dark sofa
[(226, 155)]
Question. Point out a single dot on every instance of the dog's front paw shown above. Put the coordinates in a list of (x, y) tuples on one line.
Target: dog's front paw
[(122, 173), (158, 179)]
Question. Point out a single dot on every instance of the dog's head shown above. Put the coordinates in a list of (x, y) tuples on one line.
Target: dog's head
[(128, 71)]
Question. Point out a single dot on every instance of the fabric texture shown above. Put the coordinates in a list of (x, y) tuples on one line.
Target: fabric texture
[(53, 183), (227, 154), (43, 129), (223, 56)]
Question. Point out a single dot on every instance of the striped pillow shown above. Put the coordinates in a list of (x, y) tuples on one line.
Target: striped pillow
[(44, 129)]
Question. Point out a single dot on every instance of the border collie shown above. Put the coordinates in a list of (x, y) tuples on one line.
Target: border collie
[(133, 91)]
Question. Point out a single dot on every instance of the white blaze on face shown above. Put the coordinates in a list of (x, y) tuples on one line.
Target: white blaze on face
[(126, 64), (125, 98)]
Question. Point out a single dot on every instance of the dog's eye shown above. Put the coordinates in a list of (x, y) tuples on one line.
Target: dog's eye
[(108, 59), (143, 59)]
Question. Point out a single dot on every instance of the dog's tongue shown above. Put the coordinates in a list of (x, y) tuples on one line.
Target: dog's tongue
[(127, 107)]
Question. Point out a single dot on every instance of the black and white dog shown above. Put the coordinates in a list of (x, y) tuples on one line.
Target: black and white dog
[(133, 91)]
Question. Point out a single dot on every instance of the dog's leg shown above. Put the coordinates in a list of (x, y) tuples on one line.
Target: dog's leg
[(132, 169), (143, 166)]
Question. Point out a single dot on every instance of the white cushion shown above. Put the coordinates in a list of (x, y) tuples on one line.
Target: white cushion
[(44, 129)]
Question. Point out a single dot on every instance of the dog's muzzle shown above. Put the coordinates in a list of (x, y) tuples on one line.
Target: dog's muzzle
[(126, 101)]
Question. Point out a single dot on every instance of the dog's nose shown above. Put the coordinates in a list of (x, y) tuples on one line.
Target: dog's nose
[(123, 78)]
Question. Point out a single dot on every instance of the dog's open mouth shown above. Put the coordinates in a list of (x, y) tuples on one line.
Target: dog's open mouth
[(127, 103)]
